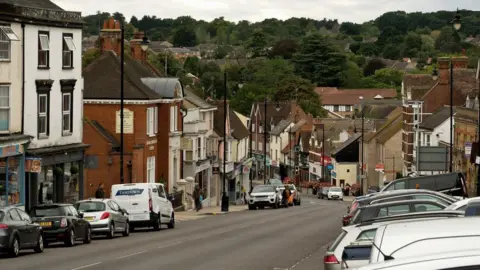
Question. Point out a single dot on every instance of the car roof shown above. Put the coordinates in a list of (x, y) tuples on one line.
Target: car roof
[(413, 216), (402, 234), (7, 208), (397, 203), (394, 193), (422, 258), (52, 204), (94, 200)]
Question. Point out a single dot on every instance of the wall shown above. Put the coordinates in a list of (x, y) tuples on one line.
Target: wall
[(391, 157), (56, 73), (11, 72), (347, 172)]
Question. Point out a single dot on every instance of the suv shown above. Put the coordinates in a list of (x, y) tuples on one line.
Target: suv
[(264, 195)]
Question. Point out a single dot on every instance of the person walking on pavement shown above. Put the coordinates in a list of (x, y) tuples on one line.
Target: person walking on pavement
[(100, 193), (197, 193), (244, 195)]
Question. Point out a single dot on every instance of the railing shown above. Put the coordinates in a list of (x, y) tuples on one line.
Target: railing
[(176, 198)]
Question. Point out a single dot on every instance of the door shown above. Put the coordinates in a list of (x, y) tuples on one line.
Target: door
[(163, 203), (117, 216), (30, 228), (20, 226), (78, 223)]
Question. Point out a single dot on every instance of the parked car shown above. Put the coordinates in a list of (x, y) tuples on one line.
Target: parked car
[(461, 205), (453, 184), (420, 238), (147, 204), (17, 232), (264, 195), (456, 260), (367, 231), (472, 209), (335, 193), (297, 195), (61, 223), (322, 193), (356, 254), (370, 212), (396, 195), (105, 216)]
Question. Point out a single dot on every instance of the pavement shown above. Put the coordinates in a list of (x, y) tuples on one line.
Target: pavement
[(288, 238)]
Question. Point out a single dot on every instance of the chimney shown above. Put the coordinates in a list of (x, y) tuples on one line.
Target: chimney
[(444, 67), (136, 46), (111, 36)]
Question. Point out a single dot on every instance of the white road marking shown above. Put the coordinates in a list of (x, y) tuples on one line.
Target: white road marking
[(86, 266), (171, 244), (133, 254), (308, 256)]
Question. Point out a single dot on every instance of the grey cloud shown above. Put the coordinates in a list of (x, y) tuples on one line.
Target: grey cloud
[(257, 10)]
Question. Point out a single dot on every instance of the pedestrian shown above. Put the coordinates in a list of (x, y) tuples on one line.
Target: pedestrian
[(244, 195), (196, 197), (100, 193)]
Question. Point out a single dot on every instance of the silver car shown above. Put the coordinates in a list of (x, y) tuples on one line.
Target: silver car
[(105, 216), (335, 193)]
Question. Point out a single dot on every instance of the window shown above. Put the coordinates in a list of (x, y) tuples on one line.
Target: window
[(43, 50), (199, 148), (173, 118), (424, 207), (66, 113), (6, 37), (161, 192), (4, 107), (204, 147), (151, 169), (43, 114), (24, 216), (14, 216), (68, 48), (348, 108), (210, 120), (152, 121), (253, 127), (394, 210), (367, 235), (427, 139), (335, 108)]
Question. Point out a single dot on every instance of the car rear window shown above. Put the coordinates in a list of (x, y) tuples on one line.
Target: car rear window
[(47, 211), (337, 241), (367, 235), (90, 206), (356, 253)]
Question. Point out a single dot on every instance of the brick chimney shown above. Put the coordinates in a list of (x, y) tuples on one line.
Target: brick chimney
[(111, 36), (136, 47), (444, 67)]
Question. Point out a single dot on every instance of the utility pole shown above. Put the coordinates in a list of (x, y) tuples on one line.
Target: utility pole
[(122, 61), (225, 144), (265, 144)]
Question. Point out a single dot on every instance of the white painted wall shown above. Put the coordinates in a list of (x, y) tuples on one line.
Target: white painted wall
[(11, 73), (55, 73)]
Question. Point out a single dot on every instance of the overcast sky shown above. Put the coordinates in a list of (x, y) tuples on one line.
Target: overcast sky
[(257, 10)]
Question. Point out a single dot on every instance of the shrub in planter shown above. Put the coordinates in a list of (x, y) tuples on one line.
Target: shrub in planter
[(73, 170), (58, 171)]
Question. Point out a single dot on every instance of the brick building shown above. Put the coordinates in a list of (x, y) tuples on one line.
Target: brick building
[(465, 134), (152, 119)]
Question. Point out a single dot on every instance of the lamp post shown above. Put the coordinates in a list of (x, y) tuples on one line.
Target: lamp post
[(322, 126), (457, 24), (225, 143), (122, 60)]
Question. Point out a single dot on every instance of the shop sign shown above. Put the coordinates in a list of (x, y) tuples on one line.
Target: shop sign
[(127, 122), (33, 165), (11, 150)]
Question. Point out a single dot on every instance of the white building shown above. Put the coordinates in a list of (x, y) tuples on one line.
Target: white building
[(278, 141), (196, 142), (47, 59)]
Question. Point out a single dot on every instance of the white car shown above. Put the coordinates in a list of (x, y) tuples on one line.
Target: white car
[(264, 195), (147, 204), (105, 216), (405, 240), (463, 259), (335, 193), (462, 204)]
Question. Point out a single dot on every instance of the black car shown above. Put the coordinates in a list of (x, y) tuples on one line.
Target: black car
[(62, 223), (17, 231), (370, 212), (397, 195)]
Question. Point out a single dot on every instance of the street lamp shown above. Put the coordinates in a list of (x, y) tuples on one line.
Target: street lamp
[(225, 198), (122, 66), (457, 24)]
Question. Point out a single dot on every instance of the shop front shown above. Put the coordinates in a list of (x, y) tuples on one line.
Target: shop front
[(56, 174), (12, 174)]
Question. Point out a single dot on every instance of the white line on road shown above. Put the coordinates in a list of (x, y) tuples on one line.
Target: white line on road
[(308, 256), (171, 244), (133, 254), (86, 266)]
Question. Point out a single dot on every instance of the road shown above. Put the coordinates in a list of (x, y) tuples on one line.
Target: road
[(293, 238)]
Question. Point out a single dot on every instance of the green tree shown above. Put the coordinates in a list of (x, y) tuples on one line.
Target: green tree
[(391, 51), (191, 65), (389, 76), (184, 37), (372, 66), (448, 41), (257, 44), (320, 62), (284, 48), (413, 44), (350, 28)]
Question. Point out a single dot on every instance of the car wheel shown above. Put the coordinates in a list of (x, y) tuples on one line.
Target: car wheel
[(88, 236), (252, 207), (157, 224), (171, 224), (14, 249), (70, 238), (39, 247), (126, 232), (111, 231)]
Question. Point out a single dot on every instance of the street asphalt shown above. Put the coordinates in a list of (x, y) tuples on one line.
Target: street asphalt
[(293, 238)]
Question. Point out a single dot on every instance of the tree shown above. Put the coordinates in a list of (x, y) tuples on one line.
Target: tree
[(184, 37), (350, 28), (320, 62), (284, 48), (257, 44), (191, 65), (372, 66), (391, 52), (413, 44), (448, 41), (389, 76)]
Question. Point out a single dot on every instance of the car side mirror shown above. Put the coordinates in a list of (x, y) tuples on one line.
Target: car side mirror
[(80, 215)]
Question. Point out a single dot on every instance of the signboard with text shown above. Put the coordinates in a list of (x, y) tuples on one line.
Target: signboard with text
[(127, 122)]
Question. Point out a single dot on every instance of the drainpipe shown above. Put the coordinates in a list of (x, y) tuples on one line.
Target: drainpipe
[(23, 77)]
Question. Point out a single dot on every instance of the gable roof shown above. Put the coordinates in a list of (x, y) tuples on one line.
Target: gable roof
[(389, 128), (417, 84), (240, 131), (42, 4), (280, 127), (198, 101), (334, 96), (102, 79), (437, 118), (350, 140)]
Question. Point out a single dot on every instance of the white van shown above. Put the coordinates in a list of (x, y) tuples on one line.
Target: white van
[(147, 204)]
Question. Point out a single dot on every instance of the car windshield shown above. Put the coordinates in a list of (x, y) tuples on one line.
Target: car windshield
[(90, 206), (275, 182), (1, 215), (259, 189), (335, 189), (47, 211)]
